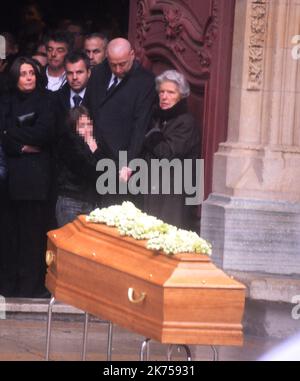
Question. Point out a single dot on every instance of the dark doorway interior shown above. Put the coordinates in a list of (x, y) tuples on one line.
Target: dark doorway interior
[(101, 15)]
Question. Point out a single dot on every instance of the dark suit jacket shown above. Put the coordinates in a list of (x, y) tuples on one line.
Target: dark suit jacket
[(63, 97), (121, 117), (62, 101)]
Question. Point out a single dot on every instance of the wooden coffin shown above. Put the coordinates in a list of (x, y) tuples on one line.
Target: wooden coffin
[(180, 299)]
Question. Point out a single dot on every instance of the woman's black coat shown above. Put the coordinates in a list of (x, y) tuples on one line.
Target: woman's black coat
[(173, 135), (28, 119)]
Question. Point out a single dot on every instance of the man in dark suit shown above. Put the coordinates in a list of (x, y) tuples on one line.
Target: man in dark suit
[(120, 96), (77, 67), (72, 94)]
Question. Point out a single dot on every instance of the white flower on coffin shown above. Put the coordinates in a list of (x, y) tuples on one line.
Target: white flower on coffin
[(131, 221)]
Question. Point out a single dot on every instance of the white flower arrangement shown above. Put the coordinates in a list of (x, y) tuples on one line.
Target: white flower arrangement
[(131, 221)]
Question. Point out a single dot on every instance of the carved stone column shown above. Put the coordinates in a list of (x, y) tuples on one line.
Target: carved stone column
[(253, 215)]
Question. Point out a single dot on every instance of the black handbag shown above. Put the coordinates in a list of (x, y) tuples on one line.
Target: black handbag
[(26, 120)]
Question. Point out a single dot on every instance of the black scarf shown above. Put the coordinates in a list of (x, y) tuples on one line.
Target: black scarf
[(178, 109)]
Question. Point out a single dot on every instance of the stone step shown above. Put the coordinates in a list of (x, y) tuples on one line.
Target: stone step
[(269, 287)]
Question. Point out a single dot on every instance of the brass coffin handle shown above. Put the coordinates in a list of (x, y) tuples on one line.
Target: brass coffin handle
[(137, 300), (49, 257)]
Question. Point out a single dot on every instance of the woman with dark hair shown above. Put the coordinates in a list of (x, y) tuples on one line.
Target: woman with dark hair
[(78, 154), (27, 132)]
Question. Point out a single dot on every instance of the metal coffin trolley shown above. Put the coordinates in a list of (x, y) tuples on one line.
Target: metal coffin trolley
[(180, 299)]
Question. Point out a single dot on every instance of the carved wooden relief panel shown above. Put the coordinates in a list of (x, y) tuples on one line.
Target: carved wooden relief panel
[(173, 32)]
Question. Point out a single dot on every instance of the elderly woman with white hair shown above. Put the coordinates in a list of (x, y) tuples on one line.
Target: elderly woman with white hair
[(173, 135)]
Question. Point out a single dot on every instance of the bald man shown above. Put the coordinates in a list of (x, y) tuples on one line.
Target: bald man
[(120, 97), (120, 57)]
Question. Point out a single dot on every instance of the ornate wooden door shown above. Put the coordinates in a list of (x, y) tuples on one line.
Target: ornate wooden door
[(195, 38)]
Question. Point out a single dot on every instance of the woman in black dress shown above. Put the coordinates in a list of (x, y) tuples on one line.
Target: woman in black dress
[(27, 124)]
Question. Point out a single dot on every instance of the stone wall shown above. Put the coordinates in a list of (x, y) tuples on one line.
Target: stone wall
[(252, 217)]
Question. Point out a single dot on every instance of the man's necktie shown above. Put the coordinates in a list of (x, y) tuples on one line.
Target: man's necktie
[(113, 85), (77, 100)]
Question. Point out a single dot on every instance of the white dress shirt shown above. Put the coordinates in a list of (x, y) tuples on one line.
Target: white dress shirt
[(112, 81), (72, 93)]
